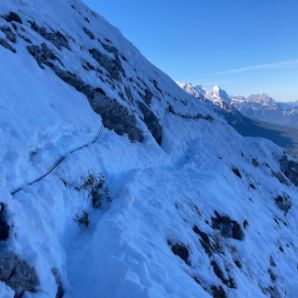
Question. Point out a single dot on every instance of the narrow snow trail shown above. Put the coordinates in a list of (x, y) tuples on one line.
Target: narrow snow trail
[(56, 164)]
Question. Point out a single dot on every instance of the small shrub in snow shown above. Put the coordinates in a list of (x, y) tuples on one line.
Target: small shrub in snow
[(99, 192), (83, 219)]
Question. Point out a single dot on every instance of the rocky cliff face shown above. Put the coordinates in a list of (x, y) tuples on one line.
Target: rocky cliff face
[(116, 183)]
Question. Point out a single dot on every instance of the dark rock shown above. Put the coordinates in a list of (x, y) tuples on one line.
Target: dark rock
[(151, 122), (89, 33), (43, 55), (76, 82), (10, 35), (255, 162), (60, 289), (252, 186), (283, 202), (117, 117), (290, 169), (204, 240), (148, 96), (156, 86), (4, 43), (13, 17), (198, 116), (180, 250), (218, 292), (228, 228), (83, 219), (280, 177), (4, 227), (128, 94), (218, 272), (55, 37), (17, 274), (110, 49), (112, 66), (237, 172)]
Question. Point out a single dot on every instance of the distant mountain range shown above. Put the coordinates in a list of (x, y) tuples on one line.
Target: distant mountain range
[(259, 106), (255, 115)]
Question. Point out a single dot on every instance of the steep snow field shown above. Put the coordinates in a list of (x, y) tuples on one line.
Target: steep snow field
[(115, 183)]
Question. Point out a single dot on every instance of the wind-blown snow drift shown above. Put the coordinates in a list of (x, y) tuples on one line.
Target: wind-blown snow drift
[(116, 183)]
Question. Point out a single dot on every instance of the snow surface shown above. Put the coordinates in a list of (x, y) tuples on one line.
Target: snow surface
[(158, 192)]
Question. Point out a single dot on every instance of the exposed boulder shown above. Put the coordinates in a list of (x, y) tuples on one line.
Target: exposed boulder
[(290, 169), (228, 228), (76, 82), (43, 55), (151, 122), (220, 274), (204, 240), (197, 116), (10, 35), (112, 66), (237, 172), (60, 289), (13, 17), (17, 274), (147, 97), (180, 250), (4, 227), (89, 33), (218, 292), (283, 202), (55, 37), (115, 116), (5, 44)]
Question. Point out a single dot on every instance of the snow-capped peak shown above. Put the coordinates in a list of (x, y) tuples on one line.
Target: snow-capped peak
[(195, 90), (263, 99), (218, 95)]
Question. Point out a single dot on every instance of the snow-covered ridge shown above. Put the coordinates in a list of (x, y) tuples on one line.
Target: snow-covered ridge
[(115, 182)]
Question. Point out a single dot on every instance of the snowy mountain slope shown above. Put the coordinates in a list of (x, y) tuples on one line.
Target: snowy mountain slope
[(126, 185)]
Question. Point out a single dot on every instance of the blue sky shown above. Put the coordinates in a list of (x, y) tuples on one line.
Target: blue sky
[(246, 46)]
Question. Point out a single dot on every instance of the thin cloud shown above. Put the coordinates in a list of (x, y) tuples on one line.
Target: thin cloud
[(276, 65)]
